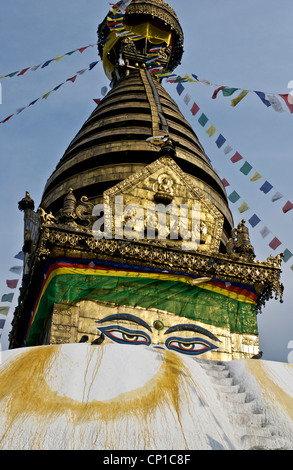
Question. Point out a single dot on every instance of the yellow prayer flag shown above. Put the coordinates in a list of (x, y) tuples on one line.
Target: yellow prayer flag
[(211, 130), (244, 207), (60, 57), (189, 79), (45, 96), (255, 177), (240, 97)]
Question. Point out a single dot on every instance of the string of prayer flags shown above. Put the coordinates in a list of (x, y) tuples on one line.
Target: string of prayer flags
[(221, 142), (21, 72), (46, 95), (268, 99)]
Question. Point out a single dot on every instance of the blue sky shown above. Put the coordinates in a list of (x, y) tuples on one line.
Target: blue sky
[(246, 45)]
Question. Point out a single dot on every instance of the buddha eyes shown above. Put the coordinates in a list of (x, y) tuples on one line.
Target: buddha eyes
[(191, 346), (126, 336)]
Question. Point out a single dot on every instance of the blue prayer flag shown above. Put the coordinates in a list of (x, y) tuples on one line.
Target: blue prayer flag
[(262, 96), (266, 187), (254, 220), (180, 88), (220, 141)]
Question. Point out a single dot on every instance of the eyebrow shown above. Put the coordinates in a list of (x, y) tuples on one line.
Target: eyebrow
[(197, 329), (125, 316)]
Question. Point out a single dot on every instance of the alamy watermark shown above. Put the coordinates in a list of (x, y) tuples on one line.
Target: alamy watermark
[(156, 221)]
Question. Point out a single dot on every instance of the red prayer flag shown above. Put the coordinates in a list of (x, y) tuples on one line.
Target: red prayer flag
[(225, 182), (12, 283), (194, 109), (82, 49), (287, 207), (72, 79), (5, 120), (275, 243), (288, 101), (236, 158), (23, 71), (217, 91), (97, 101)]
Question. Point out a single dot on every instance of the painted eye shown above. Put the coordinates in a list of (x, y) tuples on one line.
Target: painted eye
[(125, 336), (191, 346)]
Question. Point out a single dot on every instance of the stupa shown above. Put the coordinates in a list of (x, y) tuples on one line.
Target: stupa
[(133, 245)]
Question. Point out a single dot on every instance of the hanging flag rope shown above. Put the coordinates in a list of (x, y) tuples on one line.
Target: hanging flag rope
[(42, 65), (221, 142), (234, 197), (268, 99), (46, 95), (8, 297)]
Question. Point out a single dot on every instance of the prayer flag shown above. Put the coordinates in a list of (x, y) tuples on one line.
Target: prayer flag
[(47, 63), (189, 79), (97, 101), (254, 220), (35, 67), (236, 157), (33, 102), (104, 90), (275, 243), (225, 183), (92, 65), (277, 196), (71, 52), (246, 168), (59, 58), (240, 97), (229, 91), (19, 255), (12, 283), (16, 269), (211, 130), (195, 76), (288, 103), (180, 88), (203, 120), (228, 149), (244, 207), (45, 96), (19, 110), (7, 119), (72, 79), (262, 96), (58, 86), (287, 255), (4, 310), (220, 141), (287, 207), (264, 232), (82, 49), (275, 102), (7, 297), (255, 177), (215, 94), (80, 72), (23, 71), (266, 187), (187, 99), (194, 110), (234, 197), (2, 323), (12, 74)]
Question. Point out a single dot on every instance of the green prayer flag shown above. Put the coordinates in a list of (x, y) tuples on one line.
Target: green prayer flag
[(7, 298), (203, 120), (234, 197), (246, 168), (229, 91)]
